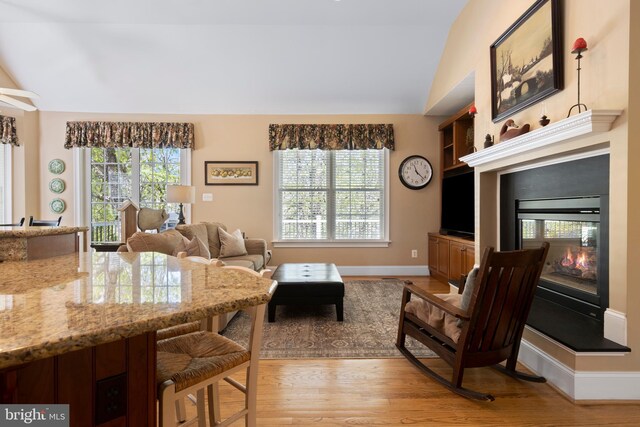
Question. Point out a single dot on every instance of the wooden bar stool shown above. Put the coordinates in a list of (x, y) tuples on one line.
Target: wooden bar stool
[(189, 363)]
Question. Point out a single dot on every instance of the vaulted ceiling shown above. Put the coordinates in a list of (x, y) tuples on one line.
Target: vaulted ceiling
[(226, 56)]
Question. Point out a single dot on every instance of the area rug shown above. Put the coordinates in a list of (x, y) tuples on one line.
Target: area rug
[(369, 329)]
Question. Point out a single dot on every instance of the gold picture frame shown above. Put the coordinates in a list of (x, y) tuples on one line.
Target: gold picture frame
[(231, 173), (526, 61)]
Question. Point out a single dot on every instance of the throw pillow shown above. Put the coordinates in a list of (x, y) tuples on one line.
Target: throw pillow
[(193, 230), (469, 286), (231, 244), (196, 247), (213, 237)]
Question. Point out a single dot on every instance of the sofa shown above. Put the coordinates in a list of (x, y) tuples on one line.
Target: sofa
[(208, 244), (208, 240)]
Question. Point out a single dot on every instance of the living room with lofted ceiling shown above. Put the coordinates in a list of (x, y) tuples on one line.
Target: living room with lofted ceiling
[(376, 64)]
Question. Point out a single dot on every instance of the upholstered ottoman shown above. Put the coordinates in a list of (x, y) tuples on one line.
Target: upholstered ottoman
[(307, 284)]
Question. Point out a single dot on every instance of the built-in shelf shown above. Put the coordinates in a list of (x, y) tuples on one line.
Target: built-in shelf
[(580, 125)]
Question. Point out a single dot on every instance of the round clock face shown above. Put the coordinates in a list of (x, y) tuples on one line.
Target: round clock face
[(415, 172)]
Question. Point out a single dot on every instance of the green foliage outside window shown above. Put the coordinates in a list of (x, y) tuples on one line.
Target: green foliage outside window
[(113, 182)]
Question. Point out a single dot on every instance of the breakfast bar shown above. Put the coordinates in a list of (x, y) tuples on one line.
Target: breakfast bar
[(81, 328), (28, 243)]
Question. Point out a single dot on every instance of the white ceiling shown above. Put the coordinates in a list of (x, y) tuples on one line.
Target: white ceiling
[(226, 56)]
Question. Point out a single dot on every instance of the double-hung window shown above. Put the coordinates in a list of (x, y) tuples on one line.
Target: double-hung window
[(138, 174), (5, 184), (335, 197)]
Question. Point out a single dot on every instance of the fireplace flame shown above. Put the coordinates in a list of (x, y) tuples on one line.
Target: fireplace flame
[(567, 261), (577, 260), (581, 261)]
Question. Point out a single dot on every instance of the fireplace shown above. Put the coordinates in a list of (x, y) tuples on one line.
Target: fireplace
[(567, 205), (575, 273)]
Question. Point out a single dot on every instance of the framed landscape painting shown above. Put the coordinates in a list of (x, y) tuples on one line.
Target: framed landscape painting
[(231, 173), (526, 61)]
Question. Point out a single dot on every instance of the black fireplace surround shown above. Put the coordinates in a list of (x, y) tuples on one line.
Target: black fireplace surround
[(566, 204)]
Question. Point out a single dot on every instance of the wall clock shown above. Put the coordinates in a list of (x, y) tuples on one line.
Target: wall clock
[(415, 172)]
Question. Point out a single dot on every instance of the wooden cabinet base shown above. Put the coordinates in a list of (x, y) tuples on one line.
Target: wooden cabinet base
[(111, 384), (450, 257)]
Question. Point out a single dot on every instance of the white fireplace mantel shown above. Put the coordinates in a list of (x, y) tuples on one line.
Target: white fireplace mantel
[(580, 125)]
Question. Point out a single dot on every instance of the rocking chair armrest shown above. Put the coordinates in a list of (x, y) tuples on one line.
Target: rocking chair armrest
[(438, 302)]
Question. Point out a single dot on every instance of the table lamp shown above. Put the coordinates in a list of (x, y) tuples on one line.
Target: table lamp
[(181, 194)]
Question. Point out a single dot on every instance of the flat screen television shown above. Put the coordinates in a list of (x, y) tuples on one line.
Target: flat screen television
[(458, 205)]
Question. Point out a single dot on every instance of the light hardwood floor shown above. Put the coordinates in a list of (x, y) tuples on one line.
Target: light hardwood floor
[(391, 392)]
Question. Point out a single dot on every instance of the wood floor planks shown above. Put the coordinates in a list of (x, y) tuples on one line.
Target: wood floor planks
[(391, 392)]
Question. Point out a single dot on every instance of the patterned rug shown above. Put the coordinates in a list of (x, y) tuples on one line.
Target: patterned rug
[(369, 329)]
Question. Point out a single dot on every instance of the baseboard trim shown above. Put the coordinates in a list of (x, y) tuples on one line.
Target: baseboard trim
[(384, 270), (615, 326), (580, 385)]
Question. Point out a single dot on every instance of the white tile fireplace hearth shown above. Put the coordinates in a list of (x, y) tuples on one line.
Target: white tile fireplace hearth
[(584, 135)]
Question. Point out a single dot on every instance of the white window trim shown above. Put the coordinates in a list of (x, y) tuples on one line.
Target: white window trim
[(8, 202), (289, 243), (82, 178)]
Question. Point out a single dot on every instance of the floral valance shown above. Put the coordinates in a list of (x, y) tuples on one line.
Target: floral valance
[(331, 137), (129, 134), (8, 133)]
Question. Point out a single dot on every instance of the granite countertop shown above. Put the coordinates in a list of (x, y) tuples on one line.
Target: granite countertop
[(27, 231), (61, 304)]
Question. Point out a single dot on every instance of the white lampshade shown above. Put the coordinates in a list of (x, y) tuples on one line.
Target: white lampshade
[(181, 194)]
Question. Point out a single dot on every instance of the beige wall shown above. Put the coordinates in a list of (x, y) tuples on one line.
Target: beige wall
[(245, 137), (606, 71), (632, 189)]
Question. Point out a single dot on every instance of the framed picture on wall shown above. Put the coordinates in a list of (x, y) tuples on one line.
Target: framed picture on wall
[(526, 61), (231, 173)]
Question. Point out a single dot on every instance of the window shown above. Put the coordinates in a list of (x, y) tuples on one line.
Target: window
[(5, 184), (142, 175), (331, 196)]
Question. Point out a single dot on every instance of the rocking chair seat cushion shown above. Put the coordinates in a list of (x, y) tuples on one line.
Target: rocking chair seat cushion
[(435, 317)]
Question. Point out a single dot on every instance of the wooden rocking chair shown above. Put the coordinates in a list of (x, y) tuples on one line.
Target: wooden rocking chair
[(488, 331)]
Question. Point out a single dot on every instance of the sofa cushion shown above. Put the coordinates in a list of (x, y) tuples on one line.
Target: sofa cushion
[(256, 262), (436, 318), (214, 237), (239, 262), (165, 242), (231, 244)]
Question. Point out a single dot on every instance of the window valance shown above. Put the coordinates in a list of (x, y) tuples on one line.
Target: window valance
[(331, 137), (8, 133), (129, 134)]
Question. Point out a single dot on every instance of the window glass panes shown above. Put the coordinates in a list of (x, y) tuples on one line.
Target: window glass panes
[(118, 174), (3, 187), (331, 195)]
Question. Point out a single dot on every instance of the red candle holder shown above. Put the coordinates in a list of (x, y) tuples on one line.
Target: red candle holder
[(579, 46)]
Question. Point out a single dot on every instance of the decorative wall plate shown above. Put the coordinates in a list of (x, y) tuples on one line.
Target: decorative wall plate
[(57, 206), (57, 185), (56, 166)]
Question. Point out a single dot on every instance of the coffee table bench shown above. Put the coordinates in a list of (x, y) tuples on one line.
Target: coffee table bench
[(307, 284)]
